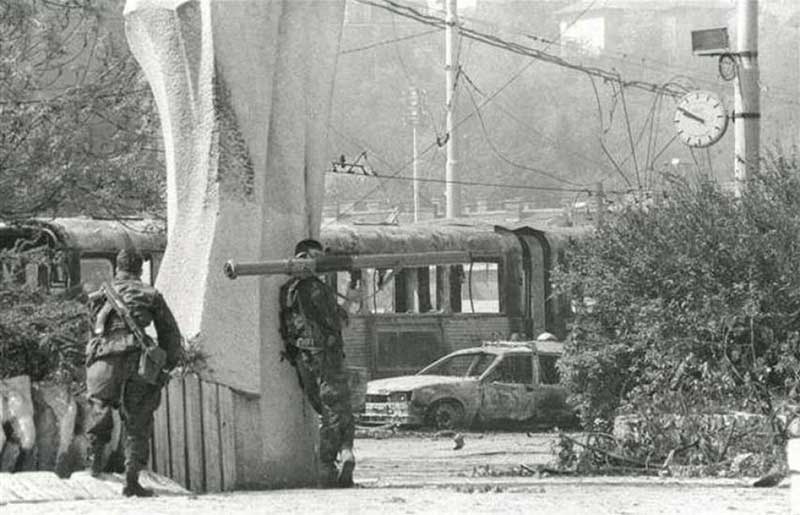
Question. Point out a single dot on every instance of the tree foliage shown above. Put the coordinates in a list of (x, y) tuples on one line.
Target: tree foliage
[(78, 130), (42, 334), (690, 302)]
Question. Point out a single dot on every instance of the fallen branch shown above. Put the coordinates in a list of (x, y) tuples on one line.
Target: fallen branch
[(608, 454), (543, 469)]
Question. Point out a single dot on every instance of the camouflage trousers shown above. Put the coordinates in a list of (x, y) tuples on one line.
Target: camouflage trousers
[(327, 388), (112, 383)]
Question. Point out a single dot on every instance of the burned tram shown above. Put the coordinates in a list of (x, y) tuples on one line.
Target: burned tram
[(403, 319)]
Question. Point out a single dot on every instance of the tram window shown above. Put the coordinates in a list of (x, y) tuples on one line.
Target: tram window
[(432, 288), (378, 290), (94, 271), (349, 286), (35, 275), (480, 288), (58, 276), (147, 267)]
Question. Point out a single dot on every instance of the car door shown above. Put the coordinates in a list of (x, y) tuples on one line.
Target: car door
[(507, 392), (551, 396)]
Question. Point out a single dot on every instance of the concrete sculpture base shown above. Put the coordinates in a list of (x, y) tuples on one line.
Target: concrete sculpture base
[(243, 88)]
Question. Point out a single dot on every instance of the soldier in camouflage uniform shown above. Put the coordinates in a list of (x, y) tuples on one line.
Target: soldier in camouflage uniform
[(311, 325), (112, 361)]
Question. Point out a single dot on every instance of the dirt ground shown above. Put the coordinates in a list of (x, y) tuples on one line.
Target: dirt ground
[(424, 474)]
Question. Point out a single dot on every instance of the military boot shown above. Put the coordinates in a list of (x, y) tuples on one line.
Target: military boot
[(132, 487), (97, 464), (348, 459)]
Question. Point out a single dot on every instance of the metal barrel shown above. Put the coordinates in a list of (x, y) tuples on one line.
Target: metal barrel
[(335, 263)]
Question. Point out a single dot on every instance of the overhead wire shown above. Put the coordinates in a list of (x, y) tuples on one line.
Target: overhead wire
[(396, 39), (497, 42), (624, 57), (505, 159), (399, 177), (488, 99)]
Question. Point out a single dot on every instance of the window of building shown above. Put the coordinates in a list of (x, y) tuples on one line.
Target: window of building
[(548, 369), (513, 369)]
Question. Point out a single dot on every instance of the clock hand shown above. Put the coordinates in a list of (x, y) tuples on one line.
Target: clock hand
[(691, 115)]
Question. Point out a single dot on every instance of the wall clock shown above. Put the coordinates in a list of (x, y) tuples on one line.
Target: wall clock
[(700, 118)]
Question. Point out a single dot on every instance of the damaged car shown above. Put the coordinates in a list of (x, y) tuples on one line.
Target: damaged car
[(499, 383)]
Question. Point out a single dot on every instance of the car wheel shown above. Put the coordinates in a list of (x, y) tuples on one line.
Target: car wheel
[(446, 414)]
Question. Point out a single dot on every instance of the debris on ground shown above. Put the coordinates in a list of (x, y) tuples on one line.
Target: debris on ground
[(731, 444)]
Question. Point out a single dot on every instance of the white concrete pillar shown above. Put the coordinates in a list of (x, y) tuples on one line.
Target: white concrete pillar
[(243, 89)]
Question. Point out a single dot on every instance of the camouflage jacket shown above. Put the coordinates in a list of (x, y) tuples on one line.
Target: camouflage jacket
[(311, 318), (146, 305)]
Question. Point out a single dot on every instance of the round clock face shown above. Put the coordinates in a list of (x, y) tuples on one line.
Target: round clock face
[(700, 119)]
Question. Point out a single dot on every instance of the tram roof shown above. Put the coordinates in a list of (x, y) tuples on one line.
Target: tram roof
[(429, 236), (100, 235)]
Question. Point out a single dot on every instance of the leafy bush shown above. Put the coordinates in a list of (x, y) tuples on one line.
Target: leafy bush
[(41, 334), (690, 303)]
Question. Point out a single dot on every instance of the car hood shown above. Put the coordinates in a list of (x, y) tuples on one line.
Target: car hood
[(410, 383)]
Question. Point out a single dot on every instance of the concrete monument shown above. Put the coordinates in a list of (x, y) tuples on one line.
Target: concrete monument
[(243, 88)]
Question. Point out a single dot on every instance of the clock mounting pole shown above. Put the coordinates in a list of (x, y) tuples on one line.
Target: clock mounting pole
[(747, 113)]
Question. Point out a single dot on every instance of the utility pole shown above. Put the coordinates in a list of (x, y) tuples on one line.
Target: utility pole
[(414, 113), (747, 112), (415, 172), (452, 190), (600, 197)]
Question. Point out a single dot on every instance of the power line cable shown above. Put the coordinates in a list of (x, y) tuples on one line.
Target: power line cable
[(505, 159), (514, 77), (542, 55), (396, 39), (471, 183), (625, 57)]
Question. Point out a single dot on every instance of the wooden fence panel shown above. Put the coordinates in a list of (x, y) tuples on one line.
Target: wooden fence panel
[(161, 456), (212, 438), (227, 438), (177, 432), (194, 434)]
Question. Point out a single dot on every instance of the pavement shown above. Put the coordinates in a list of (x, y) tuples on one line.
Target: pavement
[(424, 474)]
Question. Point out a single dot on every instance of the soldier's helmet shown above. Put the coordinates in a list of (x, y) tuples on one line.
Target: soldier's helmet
[(129, 260), (308, 246)]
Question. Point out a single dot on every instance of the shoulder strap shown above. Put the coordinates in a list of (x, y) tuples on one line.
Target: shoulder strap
[(115, 299)]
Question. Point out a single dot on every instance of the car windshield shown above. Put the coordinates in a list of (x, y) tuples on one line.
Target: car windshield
[(461, 365)]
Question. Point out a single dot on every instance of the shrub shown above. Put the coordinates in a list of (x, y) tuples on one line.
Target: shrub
[(41, 334), (694, 302)]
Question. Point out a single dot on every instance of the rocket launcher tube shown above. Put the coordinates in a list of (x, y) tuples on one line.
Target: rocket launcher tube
[(336, 263)]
